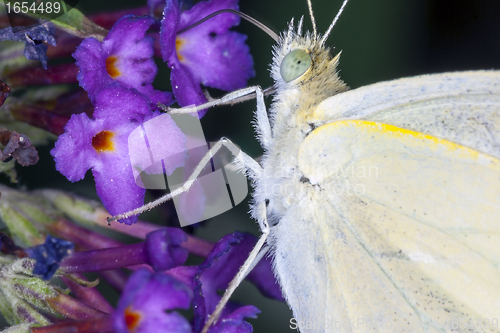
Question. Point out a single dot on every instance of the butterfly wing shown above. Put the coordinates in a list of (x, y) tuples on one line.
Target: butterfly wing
[(411, 225), (462, 107)]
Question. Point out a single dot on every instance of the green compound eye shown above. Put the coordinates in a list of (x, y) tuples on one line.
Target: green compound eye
[(295, 64)]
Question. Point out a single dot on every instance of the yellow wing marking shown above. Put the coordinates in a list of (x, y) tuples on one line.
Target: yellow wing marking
[(323, 153)]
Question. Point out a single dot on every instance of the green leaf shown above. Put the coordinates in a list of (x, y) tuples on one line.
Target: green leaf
[(21, 229), (9, 169)]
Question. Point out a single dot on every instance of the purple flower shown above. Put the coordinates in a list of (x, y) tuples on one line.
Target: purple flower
[(101, 144), (17, 146), (209, 54), (48, 256), (147, 304), (33, 38), (216, 272), (125, 56), (234, 323), (162, 250)]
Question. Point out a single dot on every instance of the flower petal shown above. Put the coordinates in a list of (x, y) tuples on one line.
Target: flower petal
[(125, 56), (115, 183), (168, 31), (127, 42), (219, 58), (73, 152), (147, 302), (93, 75), (219, 24), (216, 272), (218, 61), (186, 89), (234, 322), (156, 96), (163, 248), (166, 141), (128, 38), (118, 103)]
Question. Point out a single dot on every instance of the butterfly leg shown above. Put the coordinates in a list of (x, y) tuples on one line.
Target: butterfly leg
[(241, 159), (263, 126), (253, 259)]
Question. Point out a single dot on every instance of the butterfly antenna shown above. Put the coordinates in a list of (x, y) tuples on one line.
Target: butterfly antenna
[(329, 30), (250, 19), (313, 20)]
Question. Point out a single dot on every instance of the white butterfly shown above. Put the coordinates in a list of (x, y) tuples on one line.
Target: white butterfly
[(380, 205)]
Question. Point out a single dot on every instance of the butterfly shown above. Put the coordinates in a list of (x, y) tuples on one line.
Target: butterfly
[(380, 205)]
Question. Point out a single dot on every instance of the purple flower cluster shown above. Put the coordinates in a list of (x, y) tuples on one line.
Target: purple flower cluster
[(162, 284), (118, 73), (149, 298)]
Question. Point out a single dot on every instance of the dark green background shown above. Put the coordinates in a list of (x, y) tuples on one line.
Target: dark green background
[(380, 40)]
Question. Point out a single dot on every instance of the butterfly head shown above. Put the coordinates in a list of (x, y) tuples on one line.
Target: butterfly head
[(302, 63)]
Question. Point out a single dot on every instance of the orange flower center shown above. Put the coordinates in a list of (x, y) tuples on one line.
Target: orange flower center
[(132, 319), (178, 46), (102, 141), (111, 67)]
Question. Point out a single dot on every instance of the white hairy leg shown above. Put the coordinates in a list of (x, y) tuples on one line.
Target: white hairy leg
[(253, 259)]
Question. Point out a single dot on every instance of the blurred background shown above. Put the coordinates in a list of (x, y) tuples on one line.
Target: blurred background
[(379, 39)]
